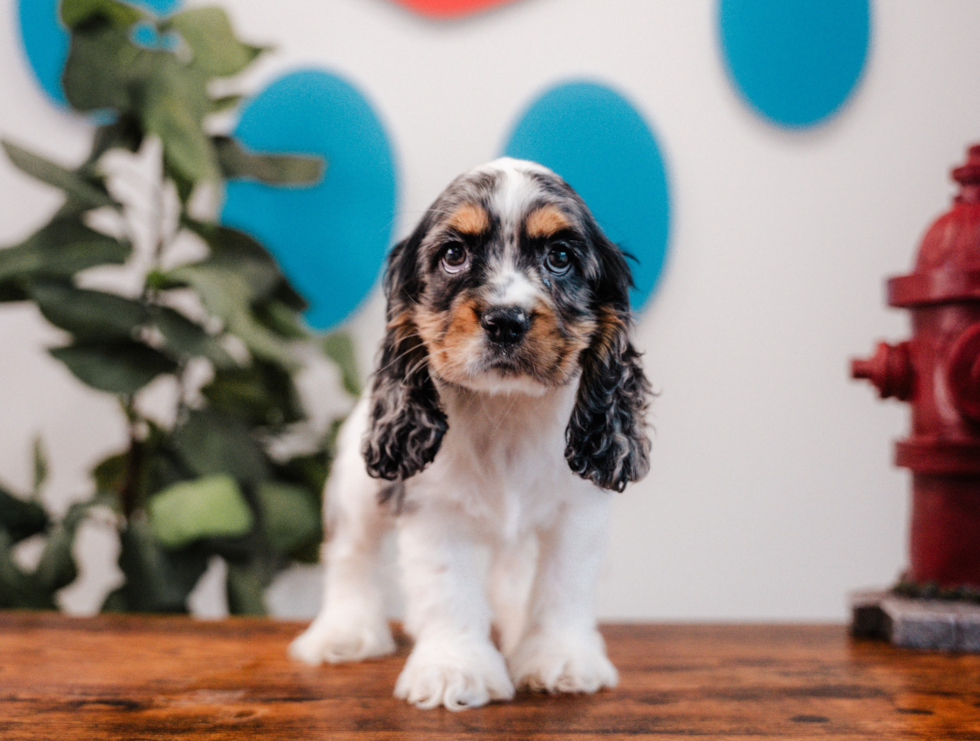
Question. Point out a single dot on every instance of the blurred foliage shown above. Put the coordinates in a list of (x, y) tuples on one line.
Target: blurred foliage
[(210, 484)]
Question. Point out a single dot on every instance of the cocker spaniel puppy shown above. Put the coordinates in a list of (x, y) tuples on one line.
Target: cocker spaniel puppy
[(508, 400)]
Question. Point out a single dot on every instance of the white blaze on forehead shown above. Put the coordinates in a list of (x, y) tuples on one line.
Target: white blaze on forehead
[(515, 190), (513, 194), (511, 287), (511, 163)]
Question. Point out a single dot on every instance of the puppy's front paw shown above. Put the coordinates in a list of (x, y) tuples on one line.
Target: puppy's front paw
[(455, 674), (338, 638), (574, 662)]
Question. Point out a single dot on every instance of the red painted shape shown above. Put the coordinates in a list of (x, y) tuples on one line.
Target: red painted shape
[(938, 372), (450, 8)]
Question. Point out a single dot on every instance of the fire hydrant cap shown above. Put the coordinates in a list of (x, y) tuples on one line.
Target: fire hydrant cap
[(948, 264)]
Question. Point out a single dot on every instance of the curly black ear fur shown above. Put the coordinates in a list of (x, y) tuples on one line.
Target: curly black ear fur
[(407, 423), (606, 440)]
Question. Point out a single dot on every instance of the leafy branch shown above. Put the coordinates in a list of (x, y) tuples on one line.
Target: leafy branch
[(214, 481)]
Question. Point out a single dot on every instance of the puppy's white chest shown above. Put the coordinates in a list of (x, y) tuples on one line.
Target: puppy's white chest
[(519, 484), (502, 461)]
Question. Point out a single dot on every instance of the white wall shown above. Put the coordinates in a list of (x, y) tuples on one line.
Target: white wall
[(772, 491)]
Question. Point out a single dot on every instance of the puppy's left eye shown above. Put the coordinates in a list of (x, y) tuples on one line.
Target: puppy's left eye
[(559, 259)]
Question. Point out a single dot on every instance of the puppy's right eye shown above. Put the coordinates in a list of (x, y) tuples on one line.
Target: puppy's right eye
[(454, 257)]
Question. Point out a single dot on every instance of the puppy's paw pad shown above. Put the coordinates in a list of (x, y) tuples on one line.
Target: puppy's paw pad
[(577, 664), (457, 677), (341, 642)]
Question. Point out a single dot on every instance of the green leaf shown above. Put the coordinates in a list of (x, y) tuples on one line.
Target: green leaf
[(242, 393), (163, 468), (57, 567), (148, 466), (17, 589), (331, 437), (240, 321), (100, 62), (188, 339), (272, 169), (110, 472), (123, 133), (12, 290), (309, 554), (245, 587), (48, 172), (89, 314), (290, 296), (70, 208), (116, 601), (208, 507), (226, 103), (263, 393), (174, 107), (212, 443), (233, 247), (40, 466), (157, 580), (289, 518), (340, 349), (281, 319), (215, 49), (116, 367), (309, 471), (227, 287), (20, 518), (185, 186), (59, 250), (77, 12)]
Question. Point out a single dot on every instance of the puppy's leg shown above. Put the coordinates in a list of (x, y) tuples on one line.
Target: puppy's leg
[(453, 663), (352, 624), (511, 578), (561, 650)]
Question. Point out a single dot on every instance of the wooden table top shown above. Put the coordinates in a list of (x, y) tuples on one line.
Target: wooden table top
[(124, 677)]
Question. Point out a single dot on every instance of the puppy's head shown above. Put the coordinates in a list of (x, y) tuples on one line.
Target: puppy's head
[(509, 286)]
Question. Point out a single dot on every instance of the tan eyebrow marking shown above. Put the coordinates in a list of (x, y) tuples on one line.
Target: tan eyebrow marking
[(545, 221), (469, 219)]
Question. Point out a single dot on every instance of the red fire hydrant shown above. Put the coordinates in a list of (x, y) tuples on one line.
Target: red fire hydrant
[(938, 371)]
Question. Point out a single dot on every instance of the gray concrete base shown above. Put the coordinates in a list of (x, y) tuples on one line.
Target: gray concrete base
[(938, 625)]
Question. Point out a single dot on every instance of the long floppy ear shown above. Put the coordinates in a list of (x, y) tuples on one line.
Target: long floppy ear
[(406, 422), (606, 440)]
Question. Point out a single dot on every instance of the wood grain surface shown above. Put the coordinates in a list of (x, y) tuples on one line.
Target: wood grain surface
[(123, 677)]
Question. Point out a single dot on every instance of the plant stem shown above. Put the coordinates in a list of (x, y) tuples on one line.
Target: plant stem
[(128, 489)]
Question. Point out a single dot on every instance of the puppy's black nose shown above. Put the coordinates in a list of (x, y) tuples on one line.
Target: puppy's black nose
[(505, 325)]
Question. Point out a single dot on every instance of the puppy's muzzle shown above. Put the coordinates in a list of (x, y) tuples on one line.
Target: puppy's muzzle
[(505, 325)]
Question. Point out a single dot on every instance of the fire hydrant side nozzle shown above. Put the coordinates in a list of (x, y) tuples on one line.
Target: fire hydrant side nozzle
[(889, 369)]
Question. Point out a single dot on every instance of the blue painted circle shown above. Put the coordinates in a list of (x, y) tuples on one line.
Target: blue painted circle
[(598, 142), (329, 238), (795, 61), (46, 40)]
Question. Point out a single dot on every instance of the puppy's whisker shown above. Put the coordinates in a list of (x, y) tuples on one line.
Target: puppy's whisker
[(406, 339), (394, 361)]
